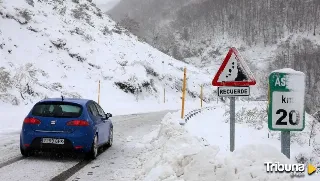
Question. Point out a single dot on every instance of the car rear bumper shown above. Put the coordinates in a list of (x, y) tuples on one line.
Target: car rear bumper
[(80, 141), (37, 145)]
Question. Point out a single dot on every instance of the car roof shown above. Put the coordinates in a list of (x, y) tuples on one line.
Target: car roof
[(82, 102)]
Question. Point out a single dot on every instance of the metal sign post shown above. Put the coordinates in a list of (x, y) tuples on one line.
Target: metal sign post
[(232, 122), (233, 78), (285, 143), (286, 104)]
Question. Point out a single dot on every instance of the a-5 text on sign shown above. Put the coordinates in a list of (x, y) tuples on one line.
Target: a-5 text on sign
[(286, 100), (227, 91)]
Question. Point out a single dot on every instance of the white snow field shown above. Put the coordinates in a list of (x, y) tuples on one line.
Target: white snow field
[(51, 48)]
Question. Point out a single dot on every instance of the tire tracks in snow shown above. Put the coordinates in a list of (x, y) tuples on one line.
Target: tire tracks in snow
[(71, 171), (60, 177), (121, 161), (17, 167), (11, 161)]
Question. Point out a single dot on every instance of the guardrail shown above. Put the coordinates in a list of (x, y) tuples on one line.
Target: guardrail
[(194, 113)]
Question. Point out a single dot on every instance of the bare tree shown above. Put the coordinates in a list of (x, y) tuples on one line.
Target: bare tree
[(313, 130), (130, 24)]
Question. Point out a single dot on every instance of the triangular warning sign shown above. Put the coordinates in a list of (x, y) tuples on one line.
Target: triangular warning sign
[(233, 71)]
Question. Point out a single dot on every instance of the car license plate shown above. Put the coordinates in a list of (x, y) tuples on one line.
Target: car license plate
[(53, 141)]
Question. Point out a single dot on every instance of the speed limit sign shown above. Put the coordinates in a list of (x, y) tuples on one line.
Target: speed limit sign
[(286, 100)]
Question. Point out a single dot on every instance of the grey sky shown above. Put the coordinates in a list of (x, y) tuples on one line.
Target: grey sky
[(106, 5)]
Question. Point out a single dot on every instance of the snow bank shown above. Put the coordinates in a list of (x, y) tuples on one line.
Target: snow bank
[(11, 118), (252, 128), (174, 154)]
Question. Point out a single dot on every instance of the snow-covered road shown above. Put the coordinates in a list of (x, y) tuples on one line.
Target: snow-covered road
[(120, 162)]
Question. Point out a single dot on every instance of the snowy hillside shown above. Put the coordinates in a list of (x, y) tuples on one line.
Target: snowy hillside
[(106, 5), (271, 34), (54, 47)]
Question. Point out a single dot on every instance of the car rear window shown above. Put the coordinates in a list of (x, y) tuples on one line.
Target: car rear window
[(57, 109)]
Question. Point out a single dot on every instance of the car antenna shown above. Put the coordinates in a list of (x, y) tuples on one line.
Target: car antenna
[(62, 97)]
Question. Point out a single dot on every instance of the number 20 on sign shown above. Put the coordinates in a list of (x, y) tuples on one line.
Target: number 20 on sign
[(286, 101)]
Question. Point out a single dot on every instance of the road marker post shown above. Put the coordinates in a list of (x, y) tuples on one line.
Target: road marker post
[(201, 95), (99, 92), (183, 91), (164, 95), (233, 78), (164, 86), (286, 108)]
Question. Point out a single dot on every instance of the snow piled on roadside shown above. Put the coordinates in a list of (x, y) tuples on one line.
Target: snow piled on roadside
[(252, 128), (175, 155)]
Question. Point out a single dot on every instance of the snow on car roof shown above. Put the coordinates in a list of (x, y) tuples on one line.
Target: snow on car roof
[(73, 100)]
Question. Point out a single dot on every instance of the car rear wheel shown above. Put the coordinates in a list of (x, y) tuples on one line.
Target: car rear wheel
[(109, 144), (25, 153), (94, 149)]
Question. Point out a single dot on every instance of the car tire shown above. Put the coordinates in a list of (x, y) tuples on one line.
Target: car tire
[(110, 142), (94, 149), (24, 152)]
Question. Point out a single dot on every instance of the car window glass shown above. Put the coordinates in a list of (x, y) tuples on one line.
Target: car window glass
[(68, 108), (100, 110), (57, 109), (93, 109)]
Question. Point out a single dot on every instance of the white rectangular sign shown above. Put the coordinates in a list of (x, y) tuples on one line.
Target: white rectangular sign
[(227, 91), (287, 110)]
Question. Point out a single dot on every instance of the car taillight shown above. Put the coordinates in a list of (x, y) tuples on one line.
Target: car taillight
[(78, 123), (31, 121)]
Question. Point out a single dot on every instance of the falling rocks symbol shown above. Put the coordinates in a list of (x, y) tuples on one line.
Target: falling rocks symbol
[(241, 76), (230, 70)]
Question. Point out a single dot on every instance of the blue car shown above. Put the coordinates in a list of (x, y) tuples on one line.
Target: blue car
[(60, 124)]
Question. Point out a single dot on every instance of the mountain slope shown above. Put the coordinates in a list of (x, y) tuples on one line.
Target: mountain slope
[(54, 47), (271, 34)]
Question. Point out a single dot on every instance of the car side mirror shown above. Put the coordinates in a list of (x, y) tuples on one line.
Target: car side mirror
[(108, 115)]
